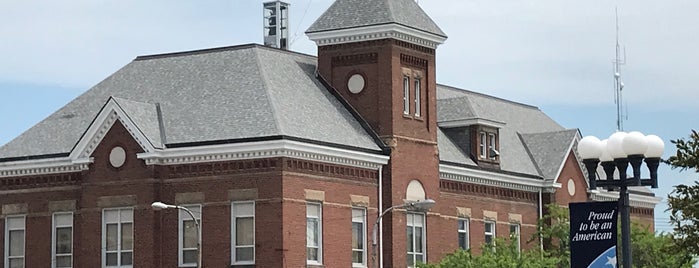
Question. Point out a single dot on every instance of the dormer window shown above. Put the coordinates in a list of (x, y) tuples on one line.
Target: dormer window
[(492, 150), (488, 146), (482, 145)]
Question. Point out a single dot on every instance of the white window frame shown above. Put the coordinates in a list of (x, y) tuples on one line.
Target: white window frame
[(319, 210), (359, 216), (119, 250), (417, 96), (492, 142), (483, 145), (465, 230), (487, 233), (234, 215), (413, 224), (23, 220), (54, 240), (181, 218), (516, 234), (406, 95)]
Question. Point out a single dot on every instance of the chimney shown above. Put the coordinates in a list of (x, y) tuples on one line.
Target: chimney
[(276, 24)]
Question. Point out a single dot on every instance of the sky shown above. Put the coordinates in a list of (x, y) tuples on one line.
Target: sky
[(553, 54)]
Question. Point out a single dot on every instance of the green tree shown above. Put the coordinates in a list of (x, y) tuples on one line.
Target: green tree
[(504, 254), (553, 229), (683, 201), (648, 246)]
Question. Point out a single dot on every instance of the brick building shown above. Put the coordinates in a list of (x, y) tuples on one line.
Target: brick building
[(287, 159)]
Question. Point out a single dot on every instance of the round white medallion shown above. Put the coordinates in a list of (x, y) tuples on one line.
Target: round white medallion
[(355, 84), (571, 187), (117, 157)]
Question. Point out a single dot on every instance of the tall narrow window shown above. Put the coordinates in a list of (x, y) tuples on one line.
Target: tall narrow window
[(406, 95), (416, 239), (314, 233), (14, 241), (243, 232), (489, 231), (188, 235), (482, 143), (62, 237), (417, 97), (491, 146), (117, 237), (463, 232), (514, 234), (358, 237)]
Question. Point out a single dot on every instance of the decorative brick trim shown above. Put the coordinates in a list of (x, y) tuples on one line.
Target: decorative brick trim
[(356, 59), (223, 168), (412, 46), (353, 173), (413, 61), (642, 211), (13, 183), (486, 191)]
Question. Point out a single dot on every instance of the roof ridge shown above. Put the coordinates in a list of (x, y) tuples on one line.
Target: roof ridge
[(265, 83), (487, 96), (529, 153), (217, 49)]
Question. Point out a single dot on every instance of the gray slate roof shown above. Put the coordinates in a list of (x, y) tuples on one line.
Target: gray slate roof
[(344, 14), (519, 119), (549, 150), (219, 94)]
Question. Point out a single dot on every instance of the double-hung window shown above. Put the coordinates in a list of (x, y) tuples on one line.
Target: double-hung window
[(463, 233), (489, 231), (358, 237), (188, 235), (62, 240), (515, 235), (491, 146), (14, 241), (416, 239), (243, 232), (406, 95), (314, 233), (482, 145), (117, 237), (417, 97)]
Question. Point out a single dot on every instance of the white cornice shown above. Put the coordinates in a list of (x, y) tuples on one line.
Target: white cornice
[(43, 166), (264, 149), (482, 177), (376, 32), (471, 122), (635, 200)]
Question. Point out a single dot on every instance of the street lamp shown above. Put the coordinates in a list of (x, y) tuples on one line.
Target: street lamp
[(616, 153), (421, 205), (160, 205)]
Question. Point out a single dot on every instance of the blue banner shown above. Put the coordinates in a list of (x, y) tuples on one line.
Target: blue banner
[(593, 234)]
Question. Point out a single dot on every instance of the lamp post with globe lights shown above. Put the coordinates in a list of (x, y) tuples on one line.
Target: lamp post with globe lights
[(420, 206), (616, 153)]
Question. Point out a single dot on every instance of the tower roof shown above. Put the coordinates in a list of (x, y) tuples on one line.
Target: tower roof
[(345, 14)]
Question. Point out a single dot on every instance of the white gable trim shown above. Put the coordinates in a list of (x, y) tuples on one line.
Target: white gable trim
[(264, 149), (482, 177), (471, 122), (565, 159), (79, 159), (101, 125), (376, 32)]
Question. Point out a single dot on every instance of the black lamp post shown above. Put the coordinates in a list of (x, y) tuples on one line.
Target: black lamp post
[(616, 153)]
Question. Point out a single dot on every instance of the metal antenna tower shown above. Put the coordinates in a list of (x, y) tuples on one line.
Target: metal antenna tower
[(618, 84)]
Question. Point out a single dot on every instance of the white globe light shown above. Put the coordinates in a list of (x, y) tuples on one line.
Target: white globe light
[(605, 157), (614, 145), (590, 147), (656, 146), (634, 143)]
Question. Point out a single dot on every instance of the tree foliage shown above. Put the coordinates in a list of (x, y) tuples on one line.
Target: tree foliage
[(683, 201), (649, 250), (504, 254)]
